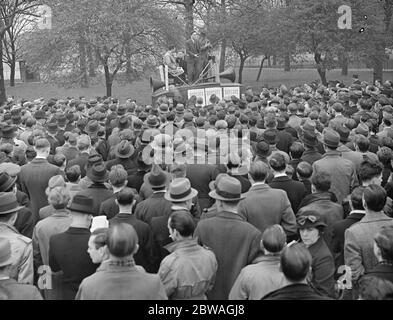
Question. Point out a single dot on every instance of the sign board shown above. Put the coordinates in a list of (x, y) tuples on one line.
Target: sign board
[(231, 91), (210, 91), (199, 93)]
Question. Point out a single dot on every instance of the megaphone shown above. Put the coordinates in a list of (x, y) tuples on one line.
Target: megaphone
[(229, 74), (156, 84)]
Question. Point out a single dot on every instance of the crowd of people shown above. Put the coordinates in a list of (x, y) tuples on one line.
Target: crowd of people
[(285, 193)]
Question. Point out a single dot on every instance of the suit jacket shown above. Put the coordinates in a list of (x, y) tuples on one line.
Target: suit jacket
[(109, 207), (192, 49), (121, 282), (99, 193), (336, 235), (154, 206), (81, 161), (33, 180), (235, 243), (145, 255), (322, 267), (295, 190), (200, 175), (25, 222), (298, 291), (285, 140), (359, 243), (69, 152), (128, 164), (265, 206), (19, 291), (311, 156), (383, 270), (68, 253), (342, 172)]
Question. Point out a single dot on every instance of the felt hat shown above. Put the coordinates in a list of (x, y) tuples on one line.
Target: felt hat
[(331, 138), (310, 219), (227, 189), (180, 190), (6, 181), (157, 177), (8, 203), (81, 204), (124, 150), (98, 173)]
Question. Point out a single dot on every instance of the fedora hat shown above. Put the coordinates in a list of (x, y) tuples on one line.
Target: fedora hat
[(8, 203), (331, 138), (180, 190), (270, 137), (124, 150), (8, 131), (157, 177), (309, 138), (6, 181), (344, 133), (124, 123), (98, 173), (82, 204), (161, 142), (52, 127), (262, 149), (92, 127), (5, 252), (227, 189), (152, 121)]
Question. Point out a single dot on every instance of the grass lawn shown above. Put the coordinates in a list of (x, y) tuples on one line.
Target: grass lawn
[(141, 92)]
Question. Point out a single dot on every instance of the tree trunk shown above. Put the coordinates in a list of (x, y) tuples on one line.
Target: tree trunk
[(274, 60), (378, 60), (261, 67), (223, 54), (269, 62), (241, 68), (189, 6), (83, 64), (12, 72), (3, 96), (287, 63), (108, 81), (320, 68), (91, 62), (344, 64)]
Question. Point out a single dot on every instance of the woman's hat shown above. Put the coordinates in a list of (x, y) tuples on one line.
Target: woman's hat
[(98, 173), (8, 203), (82, 204), (5, 252), (227, 189), (310, 220), (180, 190)]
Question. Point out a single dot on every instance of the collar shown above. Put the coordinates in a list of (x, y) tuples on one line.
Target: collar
[(75, 230), (257, 184), (230, 215), (333, 153), (173, 246), (117, 264), (375, 216), (178, 208)]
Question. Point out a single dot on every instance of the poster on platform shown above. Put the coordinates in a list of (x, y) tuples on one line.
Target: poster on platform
[(231, 91), (210, 91), (199, 93)]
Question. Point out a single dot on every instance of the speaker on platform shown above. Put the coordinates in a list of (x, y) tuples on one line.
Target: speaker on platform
[(156, 84)]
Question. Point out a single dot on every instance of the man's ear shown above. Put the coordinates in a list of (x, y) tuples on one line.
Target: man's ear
[(136, 249)]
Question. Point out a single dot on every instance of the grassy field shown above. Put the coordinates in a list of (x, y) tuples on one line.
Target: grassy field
[(141, 92)]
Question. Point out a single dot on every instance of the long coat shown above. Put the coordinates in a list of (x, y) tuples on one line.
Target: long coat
[(154, 206), (265, 206), (235, 243), (359, 243), (342, 172), (295, 190), (68, 253), (200, 175), (33, 180), (99, 193), (322, 268)]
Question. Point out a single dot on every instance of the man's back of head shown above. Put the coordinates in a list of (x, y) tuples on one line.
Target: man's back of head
[(295, 262), (122, 241)]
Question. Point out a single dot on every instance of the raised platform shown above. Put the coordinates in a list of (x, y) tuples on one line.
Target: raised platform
[(204, 90)]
